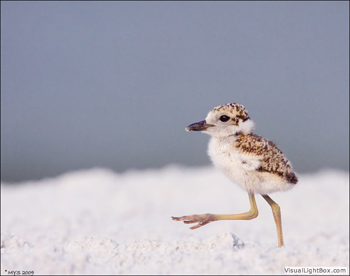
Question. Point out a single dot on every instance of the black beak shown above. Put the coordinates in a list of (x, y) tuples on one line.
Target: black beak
[(199, 126)]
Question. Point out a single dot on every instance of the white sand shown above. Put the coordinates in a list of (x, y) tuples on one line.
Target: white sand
[(100, 222)]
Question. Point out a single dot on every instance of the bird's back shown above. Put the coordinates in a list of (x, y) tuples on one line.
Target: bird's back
[(253, 162), (272, 160)]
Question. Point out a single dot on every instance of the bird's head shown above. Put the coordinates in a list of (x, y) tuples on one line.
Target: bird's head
[(225, 120)]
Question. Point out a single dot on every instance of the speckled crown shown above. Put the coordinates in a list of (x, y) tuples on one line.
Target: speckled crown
[(237, 110)]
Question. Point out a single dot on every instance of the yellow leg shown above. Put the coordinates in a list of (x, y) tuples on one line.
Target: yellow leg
[(276, 211), (206, 218)]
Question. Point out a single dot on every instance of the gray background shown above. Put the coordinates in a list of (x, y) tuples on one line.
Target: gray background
[(114, 84)]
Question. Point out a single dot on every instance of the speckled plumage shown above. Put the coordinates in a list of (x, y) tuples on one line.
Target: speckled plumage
[(251, 161), (272, 159)]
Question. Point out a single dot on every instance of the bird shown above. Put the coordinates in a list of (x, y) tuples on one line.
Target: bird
[(253, 162)]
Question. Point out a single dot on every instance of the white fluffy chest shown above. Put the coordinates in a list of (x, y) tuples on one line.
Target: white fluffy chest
[(225, 156), (241, 168)]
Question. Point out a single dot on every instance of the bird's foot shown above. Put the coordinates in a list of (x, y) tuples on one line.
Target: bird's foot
[(200, 219)]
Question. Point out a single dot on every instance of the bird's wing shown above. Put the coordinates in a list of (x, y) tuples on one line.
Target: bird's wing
[(270, 157)]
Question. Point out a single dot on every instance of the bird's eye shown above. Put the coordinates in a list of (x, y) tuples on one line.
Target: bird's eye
[(224, 118)]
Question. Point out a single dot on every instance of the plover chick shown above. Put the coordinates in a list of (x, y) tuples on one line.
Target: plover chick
[(249, 160)]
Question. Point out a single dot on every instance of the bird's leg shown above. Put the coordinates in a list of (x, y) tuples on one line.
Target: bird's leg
[(206, 218), (276, 211)]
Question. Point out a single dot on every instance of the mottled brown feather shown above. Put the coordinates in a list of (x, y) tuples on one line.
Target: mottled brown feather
[(272, 159)]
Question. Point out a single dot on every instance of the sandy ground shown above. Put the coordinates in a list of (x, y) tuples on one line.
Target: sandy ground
[(101, 222)]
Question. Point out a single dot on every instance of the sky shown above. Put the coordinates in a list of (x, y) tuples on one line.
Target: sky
[(114, 84)]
